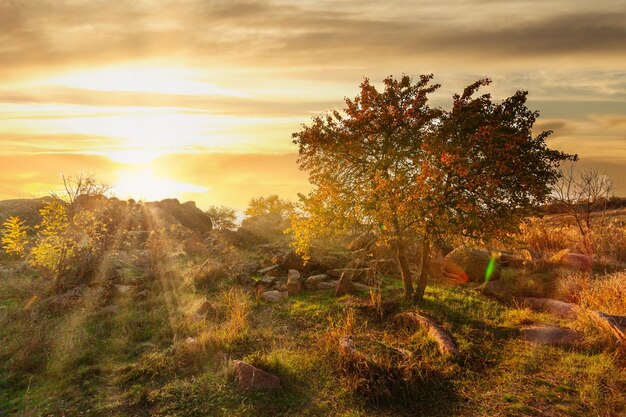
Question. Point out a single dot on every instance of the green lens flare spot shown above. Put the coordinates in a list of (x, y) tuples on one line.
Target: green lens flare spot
[(490, 268)]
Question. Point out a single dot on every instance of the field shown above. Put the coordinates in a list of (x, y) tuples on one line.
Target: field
[(158, 329)]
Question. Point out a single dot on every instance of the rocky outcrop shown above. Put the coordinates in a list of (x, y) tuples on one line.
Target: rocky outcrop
[(467, 264), (171, 211)]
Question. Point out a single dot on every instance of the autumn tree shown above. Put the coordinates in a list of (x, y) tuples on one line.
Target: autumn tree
[(271, 204), (483, 170), (13, 236), (394, 163), (363, 162), (222, 217)]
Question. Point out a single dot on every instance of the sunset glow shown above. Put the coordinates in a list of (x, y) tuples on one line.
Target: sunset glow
[(84, 89)]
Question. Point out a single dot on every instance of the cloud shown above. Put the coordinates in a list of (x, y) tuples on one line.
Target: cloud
[(40, 34)]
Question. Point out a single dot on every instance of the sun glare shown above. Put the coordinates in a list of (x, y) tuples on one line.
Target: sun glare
[(143, 184)]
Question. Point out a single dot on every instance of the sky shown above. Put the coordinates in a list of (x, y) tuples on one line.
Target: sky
[(197, 99)]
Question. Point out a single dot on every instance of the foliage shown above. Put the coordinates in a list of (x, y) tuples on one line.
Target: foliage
[(394, 164), (13, 236), (222, 217), (271, 204), (63, 243)]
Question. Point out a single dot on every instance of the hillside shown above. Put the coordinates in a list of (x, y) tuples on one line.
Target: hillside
[(160, 326)]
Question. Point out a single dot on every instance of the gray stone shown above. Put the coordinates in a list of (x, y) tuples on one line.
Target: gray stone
[(313, 282), (274, 296)]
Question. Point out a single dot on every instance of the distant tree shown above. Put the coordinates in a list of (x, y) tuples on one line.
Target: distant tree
[(394, 164), (271, 204), (13, 236), (580, 195), (222, 217)]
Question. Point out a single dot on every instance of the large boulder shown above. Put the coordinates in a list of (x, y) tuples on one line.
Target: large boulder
[(468, 264), (264, 228), (171, 211), (572, 261)]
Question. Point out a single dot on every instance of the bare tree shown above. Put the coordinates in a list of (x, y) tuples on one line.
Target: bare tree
[(80, 185), (581, 194)]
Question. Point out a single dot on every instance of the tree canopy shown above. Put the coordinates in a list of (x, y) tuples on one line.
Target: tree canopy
[(393, 163)]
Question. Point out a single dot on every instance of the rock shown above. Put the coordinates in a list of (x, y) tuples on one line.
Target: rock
[(245, 280), (274, 296), (292, 261), (559, 308), (253, 378), (361, 275), (170, 211), (542, 334), (294, 283), (344, 286), (313, 282), (572, 261), (466, 264), (267, 281), (265, 227), (328, 285), (191, 341), (266, 270)]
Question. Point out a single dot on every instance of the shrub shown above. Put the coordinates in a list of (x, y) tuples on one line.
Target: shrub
[(13, 236)]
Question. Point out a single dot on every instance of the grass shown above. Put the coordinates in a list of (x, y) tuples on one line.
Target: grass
[(167, 354)]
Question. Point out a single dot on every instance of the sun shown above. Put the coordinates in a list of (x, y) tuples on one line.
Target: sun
[(142, 184)]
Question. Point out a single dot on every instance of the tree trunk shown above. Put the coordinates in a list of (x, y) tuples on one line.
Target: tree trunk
[(423, 280), (405, 271)]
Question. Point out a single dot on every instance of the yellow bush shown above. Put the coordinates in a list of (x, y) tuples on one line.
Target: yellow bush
[(13, 236)]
